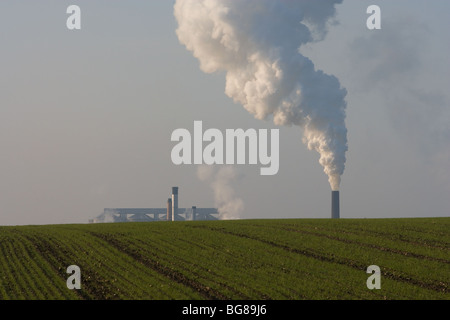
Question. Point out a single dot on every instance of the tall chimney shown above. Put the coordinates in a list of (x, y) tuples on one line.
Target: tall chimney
[(335, 205), (169, 209), (174, 203)]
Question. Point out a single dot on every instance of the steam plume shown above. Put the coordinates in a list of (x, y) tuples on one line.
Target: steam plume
[(229, 206), (256, 42)]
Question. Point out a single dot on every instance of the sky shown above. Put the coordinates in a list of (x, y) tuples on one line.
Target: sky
[(86, 116)]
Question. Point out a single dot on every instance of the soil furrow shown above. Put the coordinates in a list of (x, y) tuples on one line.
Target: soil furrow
[(155, 265), (369, 245), (388, 273), (46, 250)]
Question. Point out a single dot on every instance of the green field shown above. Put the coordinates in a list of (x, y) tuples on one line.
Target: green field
[(241, 259)]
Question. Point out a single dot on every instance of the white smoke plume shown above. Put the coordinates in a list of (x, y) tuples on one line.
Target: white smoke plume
[(221, 180), (256, 43)]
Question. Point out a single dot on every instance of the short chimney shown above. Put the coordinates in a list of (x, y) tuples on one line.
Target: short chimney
[(194, 211), (169, 209), (174, 203)]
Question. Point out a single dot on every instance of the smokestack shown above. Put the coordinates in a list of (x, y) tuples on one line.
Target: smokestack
[(169, 209), (194, 211), (174, 203), (335, 205)]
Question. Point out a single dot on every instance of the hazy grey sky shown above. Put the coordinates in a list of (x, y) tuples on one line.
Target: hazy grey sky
[(86, 116)]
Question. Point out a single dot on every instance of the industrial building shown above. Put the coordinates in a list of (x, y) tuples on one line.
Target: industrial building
[(171, 213)]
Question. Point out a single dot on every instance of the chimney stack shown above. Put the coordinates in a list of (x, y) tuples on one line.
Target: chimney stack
[(174, 203), (169, 209), (335, 205), (194, 211)]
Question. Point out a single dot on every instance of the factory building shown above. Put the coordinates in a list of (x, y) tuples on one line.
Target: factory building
[(170, 213)]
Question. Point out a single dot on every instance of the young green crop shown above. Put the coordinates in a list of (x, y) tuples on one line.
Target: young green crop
[(241, 259)]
